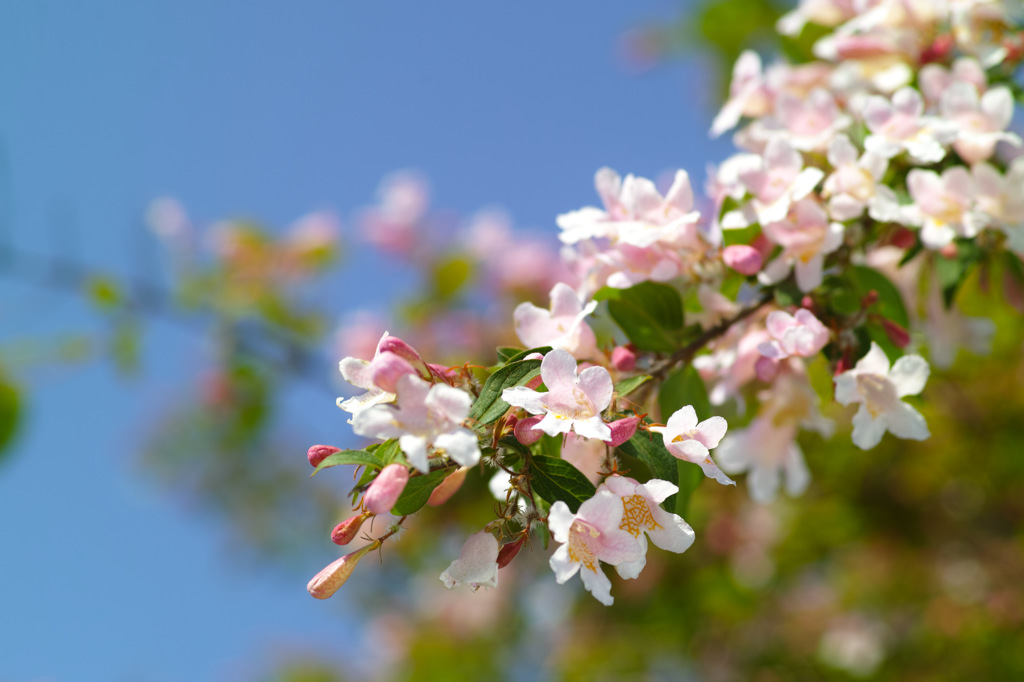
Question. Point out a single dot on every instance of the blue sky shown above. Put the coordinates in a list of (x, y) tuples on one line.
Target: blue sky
[(268, 110)]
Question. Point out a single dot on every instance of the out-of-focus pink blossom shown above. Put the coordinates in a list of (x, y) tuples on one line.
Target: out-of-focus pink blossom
[(855, 183), (748, 94), (944, 205), (776, 180), (393, 223), (562, 326), (981, 121), (624, 358), (899, 125), (477, 565), (744, 259), (806, 237), (802, 335)]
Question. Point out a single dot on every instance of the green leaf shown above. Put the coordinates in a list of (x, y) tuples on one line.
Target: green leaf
[(450, 276), (684, 387), (952, 272), (555, 479), (744, 236), (104, 292), (541, 529), (690, 476), (417, 492), (787, 293), (627, 386), (649, 448), (506, 353), (522, 354), (650, 314), (387, 452), (890, 302), (489, 406), (357, 457)]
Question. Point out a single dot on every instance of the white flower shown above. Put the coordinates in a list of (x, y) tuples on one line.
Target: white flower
[(878, 389), (688, 440), (562, 326), (477, 565), (425, 416), (572, 402)]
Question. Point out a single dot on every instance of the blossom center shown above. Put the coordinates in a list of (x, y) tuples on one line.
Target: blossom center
[(878, 392)]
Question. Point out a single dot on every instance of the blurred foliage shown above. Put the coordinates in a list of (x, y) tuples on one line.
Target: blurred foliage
[(10, 415)]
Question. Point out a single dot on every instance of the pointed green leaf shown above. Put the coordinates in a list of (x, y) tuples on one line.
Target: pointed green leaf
[(417, 492), (684, 387), (650, 314), (489, 406), (650, 449), (627, 386), (555, 479), (357, 457)]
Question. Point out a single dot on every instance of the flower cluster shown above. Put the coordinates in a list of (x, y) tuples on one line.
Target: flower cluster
[(878, 169)]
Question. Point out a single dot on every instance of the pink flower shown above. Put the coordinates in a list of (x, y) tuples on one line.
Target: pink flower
[(899, 125), (944, 204), (878, 389), (748, 94), (425, 417), (643, 517), (855, 182), (572, 402), (477, 565), (806, 237), (776, 180), (386, 489), (592, 535), (982, 121), (690, 441), (802, 335), (562, 326)]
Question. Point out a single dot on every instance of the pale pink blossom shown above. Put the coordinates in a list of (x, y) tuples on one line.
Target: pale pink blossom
[(807, 122), (586, 454), (643, 517), (855, 183), (947, 330), (944, 205), (981, 121), (571, 402), (822, 12), (878, 389), (748, 94), (393, 223), (732, 364), (1000, 198), (900, 125), (592, 535), (744, 259), (360, 374), (935, 79), (806, 237), (691, 441), (767, 449), (386, 488), (776, 180), (426, 417), (562, 326), (802, 335), (477, 565)]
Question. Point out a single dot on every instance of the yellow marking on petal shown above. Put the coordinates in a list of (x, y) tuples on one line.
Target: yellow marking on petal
[(579, 546), (636, 515)]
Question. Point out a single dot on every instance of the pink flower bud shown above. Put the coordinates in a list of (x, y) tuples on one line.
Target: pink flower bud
[(743, 259), (319, 453), (449, 486), (766, 368), (386, 489), (896, 333), (525, 433), (346, 531), (446, 374), (509, 551), (622, 430), (388, 368), (326, 582), (624, 358), (393, 344), (535, 382)]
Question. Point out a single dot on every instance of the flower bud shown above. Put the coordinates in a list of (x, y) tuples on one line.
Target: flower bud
[(386, 489), (449, 486), (622, 430), (535, 382), (445, 374), (387, 369), (745, 260), (326, 582), (509, 551), (624, 358), (319, 453), (897, 334), (525, 433), (346, 531), (393, 344)]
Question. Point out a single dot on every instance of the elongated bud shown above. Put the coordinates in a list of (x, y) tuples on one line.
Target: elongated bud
[(535, 382), (445, 374), (624, 358), (896, 333), (319, 453), (509, 551), (448, 487), (622, 430), (525, 433), (346, 531), (326, 582), (393, 344), (745, 260), (387, 369), (386, 489)]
